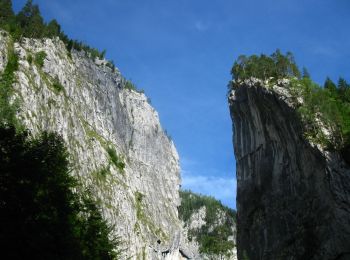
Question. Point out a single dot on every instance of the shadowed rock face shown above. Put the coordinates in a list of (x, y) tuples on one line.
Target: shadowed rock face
[(293, 200)]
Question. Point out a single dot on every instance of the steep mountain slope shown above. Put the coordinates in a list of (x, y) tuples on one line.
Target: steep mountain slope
[(210, 225), (293, 197), (117, 145)]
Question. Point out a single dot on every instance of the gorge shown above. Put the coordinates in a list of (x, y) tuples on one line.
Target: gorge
[(291, 136)]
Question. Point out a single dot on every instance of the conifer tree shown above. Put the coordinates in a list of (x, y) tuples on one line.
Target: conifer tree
[(306, 73), (52, 29), (6, 12), (31, 21), (344, 89), (329, 84)]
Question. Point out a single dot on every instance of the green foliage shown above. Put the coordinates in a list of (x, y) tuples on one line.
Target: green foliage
[(30, 59), (111, 65), (322, 108), (329, 84), (53, 29), (263, 67), (6, 12), (116, 160), (344, 90), (101, 174), (93, 53), (306, 73), (214, 240), (57, 85), (8, 109), (41, 215), (8, 18), (138, 198), (30, 23), (39, 58), (326, 105), (131, 86)]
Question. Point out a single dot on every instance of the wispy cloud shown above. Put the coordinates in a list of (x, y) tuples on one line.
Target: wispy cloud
[(325, 51), (222, 188), (201, 26)]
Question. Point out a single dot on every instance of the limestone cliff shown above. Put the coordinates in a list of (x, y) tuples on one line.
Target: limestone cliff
[(118, 148), (293, 197)]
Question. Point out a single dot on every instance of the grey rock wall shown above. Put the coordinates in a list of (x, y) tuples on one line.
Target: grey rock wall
[(97, 118), (293, 198)]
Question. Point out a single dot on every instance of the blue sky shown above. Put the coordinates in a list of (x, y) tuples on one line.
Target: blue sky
[(181, 52)]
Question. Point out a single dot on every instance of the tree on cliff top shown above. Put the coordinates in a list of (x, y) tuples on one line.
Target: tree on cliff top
[(329, 105), (30, 23), (6, 12), (263, 67)]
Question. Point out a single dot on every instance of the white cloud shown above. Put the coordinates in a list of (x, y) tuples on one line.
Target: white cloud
[(223, 189)]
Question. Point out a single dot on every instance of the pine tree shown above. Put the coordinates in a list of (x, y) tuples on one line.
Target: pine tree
[(31, 21), (344, 89), (306, 73), (52, 29), (6, 12), (329, 84)]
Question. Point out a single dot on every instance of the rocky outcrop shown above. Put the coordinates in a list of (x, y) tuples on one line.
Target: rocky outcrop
[(293, 198), (117, 146)]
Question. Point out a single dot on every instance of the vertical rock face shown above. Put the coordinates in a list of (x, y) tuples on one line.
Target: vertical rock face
[(117, 146), (293, 199)]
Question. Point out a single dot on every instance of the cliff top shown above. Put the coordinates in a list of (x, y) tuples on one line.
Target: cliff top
[(324, 110)]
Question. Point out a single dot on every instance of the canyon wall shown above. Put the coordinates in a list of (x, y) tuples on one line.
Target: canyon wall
[(293, 197)]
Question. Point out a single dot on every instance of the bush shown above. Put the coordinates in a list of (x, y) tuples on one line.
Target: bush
[(116, 160), (57, 85), (39, 58), (129, 85), (30, 59)]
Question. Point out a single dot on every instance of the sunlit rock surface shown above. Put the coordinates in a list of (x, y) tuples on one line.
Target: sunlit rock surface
[(84, 101)]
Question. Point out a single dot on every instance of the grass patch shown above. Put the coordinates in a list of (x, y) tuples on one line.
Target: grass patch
[(40, 58), (115, 159), (101, 174), (131, 86), (30, 58), (57, 85)]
